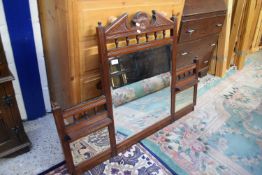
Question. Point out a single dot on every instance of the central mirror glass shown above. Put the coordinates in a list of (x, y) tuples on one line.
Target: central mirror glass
[(140, 89)]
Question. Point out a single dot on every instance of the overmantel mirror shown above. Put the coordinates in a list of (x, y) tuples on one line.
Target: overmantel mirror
[(143, 91), (138, 63)]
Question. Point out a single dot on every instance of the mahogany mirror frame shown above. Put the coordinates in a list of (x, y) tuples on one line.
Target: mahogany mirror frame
[(120, 28), (141, 25)]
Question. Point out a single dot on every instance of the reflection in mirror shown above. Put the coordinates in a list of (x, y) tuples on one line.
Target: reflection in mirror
[(85, 137), (141, 65), (184, 99), (141, 93), (89, 146)]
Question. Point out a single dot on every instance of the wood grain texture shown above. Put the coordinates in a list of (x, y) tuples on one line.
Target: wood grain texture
[(193, 7), (54, 17), (234, 32), (195, 29), (243, 49), (223, 42), (201, 20), (70, 45), (201, 48), (256, 23), (257, 40), (141, 24)]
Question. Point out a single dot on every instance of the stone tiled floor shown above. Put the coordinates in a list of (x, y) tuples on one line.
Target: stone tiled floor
[(45, 151)]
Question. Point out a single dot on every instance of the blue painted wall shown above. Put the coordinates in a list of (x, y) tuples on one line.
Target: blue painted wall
[(22, 40)]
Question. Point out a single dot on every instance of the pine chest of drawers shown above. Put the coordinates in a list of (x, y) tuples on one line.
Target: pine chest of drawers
[(201, 24), (70, 41)]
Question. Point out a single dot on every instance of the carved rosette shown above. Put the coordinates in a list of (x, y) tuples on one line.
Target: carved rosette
[(140, 22)]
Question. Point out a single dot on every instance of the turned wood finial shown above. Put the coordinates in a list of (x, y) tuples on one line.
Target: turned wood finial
[(153, 12), (173, 18), (55, 106)]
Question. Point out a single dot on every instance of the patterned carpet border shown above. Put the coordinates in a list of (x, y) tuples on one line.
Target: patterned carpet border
[(136, 160)]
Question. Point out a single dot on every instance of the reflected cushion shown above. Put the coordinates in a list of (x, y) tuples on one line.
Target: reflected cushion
[(139, 89)]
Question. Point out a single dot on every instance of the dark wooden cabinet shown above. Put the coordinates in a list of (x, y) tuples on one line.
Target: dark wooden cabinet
[(188, 51), (200, 26), (13, 139)]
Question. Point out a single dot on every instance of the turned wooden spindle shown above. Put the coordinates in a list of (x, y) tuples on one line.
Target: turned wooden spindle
[(116, 42), (74, 119), (147, 37), (127, 41), (179, 77), (155, 34), (137, 39)]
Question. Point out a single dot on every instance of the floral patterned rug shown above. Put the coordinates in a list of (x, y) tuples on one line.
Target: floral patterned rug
[(222, 136), (136, 160)]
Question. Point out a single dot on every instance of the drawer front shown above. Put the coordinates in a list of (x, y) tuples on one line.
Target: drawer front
[(201, 49), (204, 63), (198, 28), (90, 87), (203, 72), (185, 55)]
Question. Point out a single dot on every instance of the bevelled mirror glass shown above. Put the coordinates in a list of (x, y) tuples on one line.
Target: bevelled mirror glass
[(140, 89), (184, 99)]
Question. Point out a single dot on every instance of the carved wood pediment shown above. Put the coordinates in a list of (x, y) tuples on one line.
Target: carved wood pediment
[(141, 22)]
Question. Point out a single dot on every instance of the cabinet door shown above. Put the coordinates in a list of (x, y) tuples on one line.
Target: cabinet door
[(8, 106), (3, 130)]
